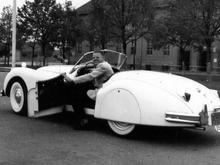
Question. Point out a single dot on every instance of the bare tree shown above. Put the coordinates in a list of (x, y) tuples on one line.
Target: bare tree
[(40, 17), (193, 23), (101, 23), (5, 32), (130, 18), (68, 29), (28, 33)]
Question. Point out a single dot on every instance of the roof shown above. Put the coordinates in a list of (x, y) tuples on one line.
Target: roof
[(85, 9)]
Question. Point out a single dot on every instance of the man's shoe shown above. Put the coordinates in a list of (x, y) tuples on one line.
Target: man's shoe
[(81, 124)]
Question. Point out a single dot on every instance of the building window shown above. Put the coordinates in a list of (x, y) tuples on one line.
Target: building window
[(133, 51), (118, 47), (149, 48), (166, 50)]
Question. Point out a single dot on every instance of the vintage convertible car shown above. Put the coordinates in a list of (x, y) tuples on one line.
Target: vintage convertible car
[(127, 99)]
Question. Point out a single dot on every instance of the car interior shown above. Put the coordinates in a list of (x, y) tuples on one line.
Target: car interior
[(55, 92)]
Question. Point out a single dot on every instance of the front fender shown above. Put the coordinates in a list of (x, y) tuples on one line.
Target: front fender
[(29, 76)]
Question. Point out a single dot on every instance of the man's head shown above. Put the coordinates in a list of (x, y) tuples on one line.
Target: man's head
[(97, 58)]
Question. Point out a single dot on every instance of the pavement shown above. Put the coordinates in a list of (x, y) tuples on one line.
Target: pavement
[(52, 140)]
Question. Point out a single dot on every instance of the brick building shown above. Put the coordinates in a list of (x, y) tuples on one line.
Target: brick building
[(167, 58)]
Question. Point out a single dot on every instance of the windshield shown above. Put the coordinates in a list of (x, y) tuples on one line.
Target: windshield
[(115, 59)]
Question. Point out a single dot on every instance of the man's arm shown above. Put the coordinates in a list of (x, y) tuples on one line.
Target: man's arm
[(90, 76)]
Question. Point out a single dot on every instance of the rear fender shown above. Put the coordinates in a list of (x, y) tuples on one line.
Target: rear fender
[(117, 104), (137, 102)]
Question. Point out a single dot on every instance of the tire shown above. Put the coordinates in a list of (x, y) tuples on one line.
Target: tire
[(121, 128), (18, 97)]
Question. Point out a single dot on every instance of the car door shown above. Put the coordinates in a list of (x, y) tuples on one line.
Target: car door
[(51, 93)]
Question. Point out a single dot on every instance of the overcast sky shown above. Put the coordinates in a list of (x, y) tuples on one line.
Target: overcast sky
[(75, 3)]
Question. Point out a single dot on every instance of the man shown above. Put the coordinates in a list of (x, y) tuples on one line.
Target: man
[(81, 85), (100, 73)]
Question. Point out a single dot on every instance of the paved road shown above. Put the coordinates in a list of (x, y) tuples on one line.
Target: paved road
[(53, 141)]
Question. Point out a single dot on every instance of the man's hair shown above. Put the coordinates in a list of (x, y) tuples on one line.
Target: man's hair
[(98, 51)]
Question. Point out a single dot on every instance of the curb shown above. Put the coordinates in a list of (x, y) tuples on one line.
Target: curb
[(5, 69), (202, 76)]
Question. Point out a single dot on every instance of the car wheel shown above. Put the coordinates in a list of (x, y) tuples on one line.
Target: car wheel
[(18, 97), (121, 128)]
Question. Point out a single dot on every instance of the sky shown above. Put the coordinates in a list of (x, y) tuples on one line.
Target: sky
[(19, 3)]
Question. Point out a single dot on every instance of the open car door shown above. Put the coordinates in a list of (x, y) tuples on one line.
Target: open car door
[(51, 93)]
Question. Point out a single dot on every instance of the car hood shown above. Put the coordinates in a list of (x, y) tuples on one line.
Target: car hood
[(57, 68)]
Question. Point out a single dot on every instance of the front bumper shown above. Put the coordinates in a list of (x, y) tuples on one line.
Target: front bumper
[(201, 119), (2, 93)]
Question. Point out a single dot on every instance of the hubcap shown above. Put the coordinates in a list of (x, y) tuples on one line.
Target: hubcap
[(121, 128), (17, 97)]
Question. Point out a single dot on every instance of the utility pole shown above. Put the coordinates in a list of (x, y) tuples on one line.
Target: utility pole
[(14, 34)]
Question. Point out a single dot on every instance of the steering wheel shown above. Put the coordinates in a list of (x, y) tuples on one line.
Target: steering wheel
[(87, 68)]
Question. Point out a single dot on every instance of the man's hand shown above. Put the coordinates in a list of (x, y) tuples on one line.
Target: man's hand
[(67, 79), (72, 70)]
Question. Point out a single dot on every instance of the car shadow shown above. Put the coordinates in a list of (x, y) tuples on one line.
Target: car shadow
[(149, 134), (174, 136), (64, 118), (179, 137)]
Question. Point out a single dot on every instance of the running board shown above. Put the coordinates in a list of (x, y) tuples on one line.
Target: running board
[(88, 111), (48, 112)]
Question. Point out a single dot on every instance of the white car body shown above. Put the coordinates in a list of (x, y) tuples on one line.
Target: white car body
[(133, 97)]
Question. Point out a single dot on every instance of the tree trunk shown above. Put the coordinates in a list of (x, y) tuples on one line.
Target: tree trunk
[(182, 61), (134, 55), (44, 54), (63, 50), (91, 45), (209, 59), (5, 59), (103, 46), (32, 57), (103, 42), (8, 59), (124, 45), (209, 56), (69, 55)]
